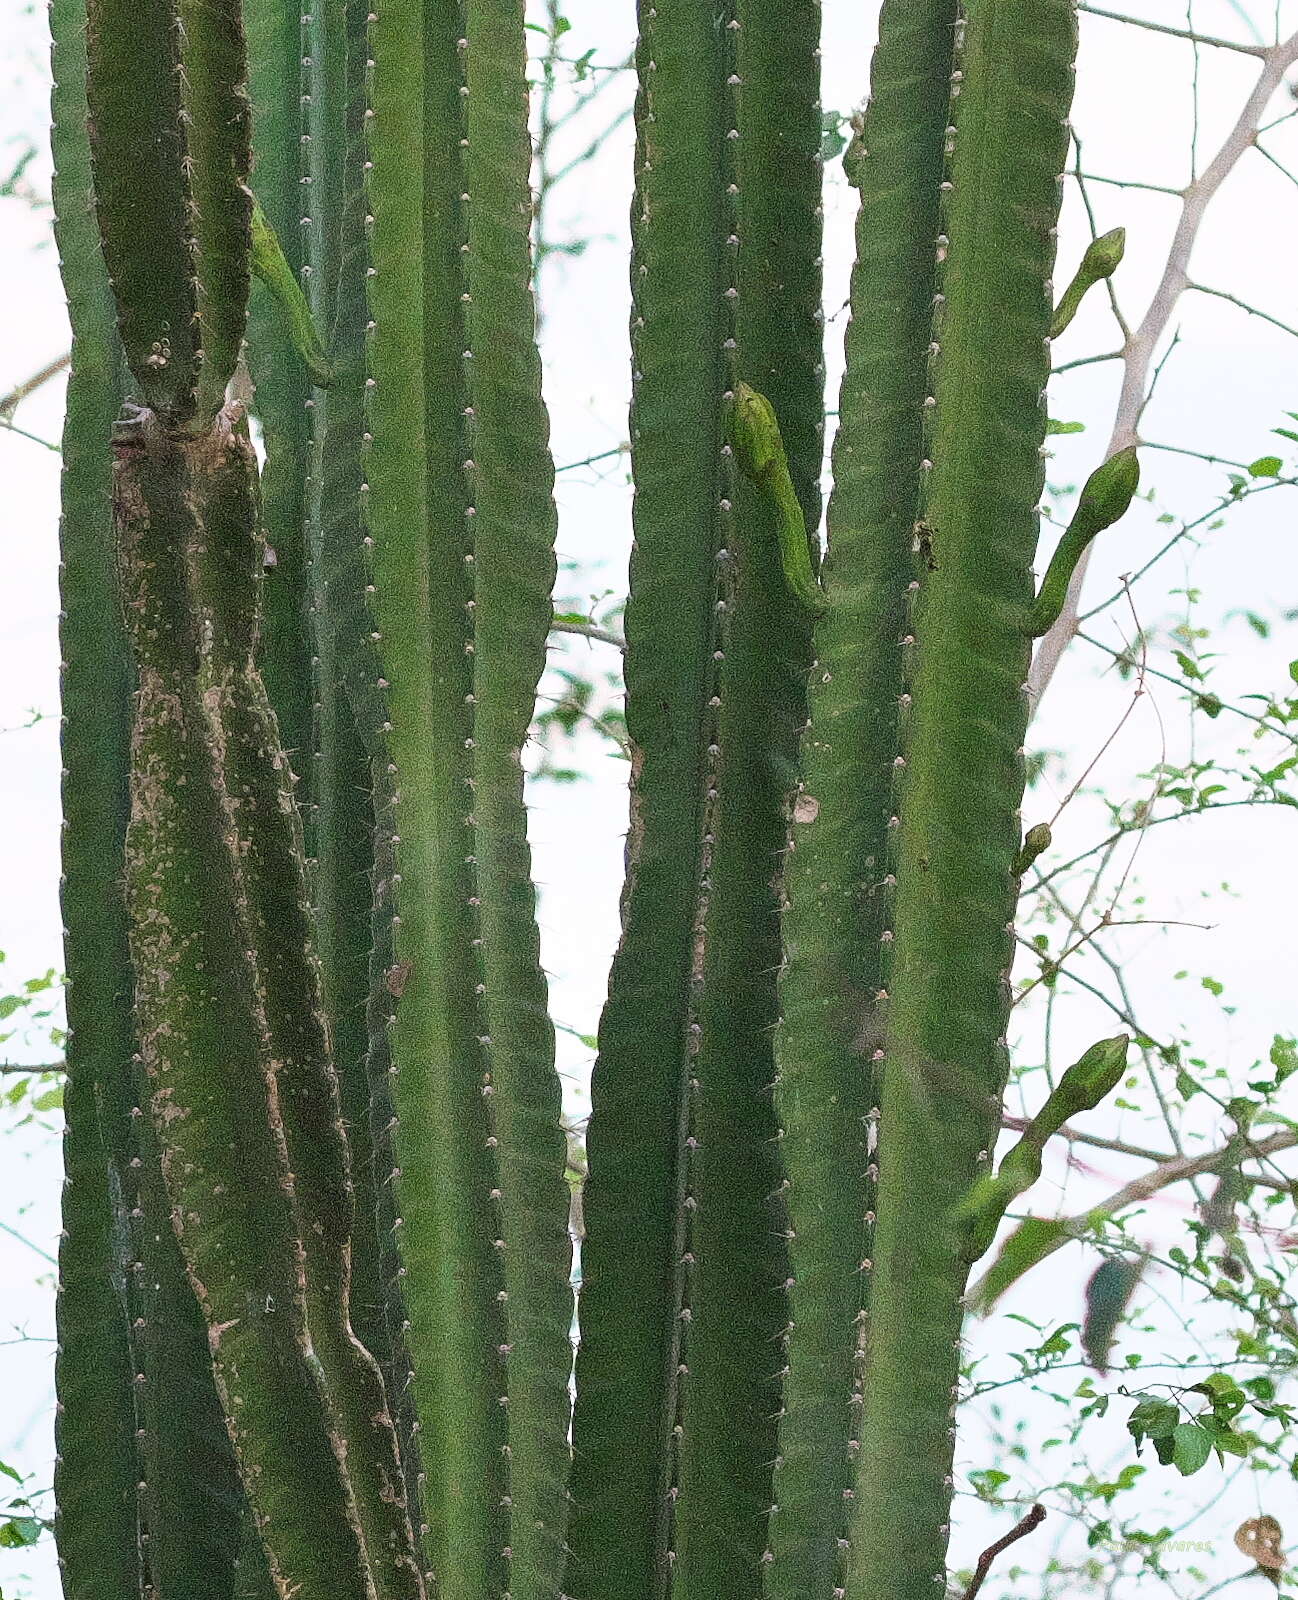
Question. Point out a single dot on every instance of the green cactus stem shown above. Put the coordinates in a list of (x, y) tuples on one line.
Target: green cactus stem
[(1102, 259), (962, 776), (839, 872), (635, 1308), (202, 1035), (1105, 498), (96, 1470), (461, 516), (270, 873), (281, 385), (735, 1283)]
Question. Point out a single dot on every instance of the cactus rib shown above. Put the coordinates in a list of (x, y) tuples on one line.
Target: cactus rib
[(633, 1297), (838, 882), (958, 840), (730, 1394)]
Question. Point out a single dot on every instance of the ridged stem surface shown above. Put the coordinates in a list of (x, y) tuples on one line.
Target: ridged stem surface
[(282, 387), (270, 871), (458, 509), (838, 875), (511, 481), (634, 1310), (95, 1473), (218, 154), (142, 198), (730, 1394), (945, 1067), (203, 1036)]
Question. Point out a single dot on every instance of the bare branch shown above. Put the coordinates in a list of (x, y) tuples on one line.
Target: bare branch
[(1020, 1530), (1140, 348), (1121, 1148), (1187, 34), (17, 395), (590, 630)]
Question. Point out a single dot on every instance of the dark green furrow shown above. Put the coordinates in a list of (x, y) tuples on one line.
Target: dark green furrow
[(838, 873), (218, 156), (385, 984), (633, 1272), (96, 1472), (730, 1399), (960, 829), (191, 1500), (282, 388), (138, 144), (350, 711), (512, 480), (418, 516), (203, 1037)]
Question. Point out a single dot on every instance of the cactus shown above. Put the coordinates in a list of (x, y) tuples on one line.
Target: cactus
[(316, 1303)]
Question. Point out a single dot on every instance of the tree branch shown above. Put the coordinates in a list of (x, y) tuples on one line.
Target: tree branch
[(1139, 352), (1020, 1530)]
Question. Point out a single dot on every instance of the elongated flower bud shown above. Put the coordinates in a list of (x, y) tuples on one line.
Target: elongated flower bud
[(1100, 261)]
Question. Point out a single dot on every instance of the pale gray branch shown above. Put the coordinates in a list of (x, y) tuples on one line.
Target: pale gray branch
[(1138, 355)]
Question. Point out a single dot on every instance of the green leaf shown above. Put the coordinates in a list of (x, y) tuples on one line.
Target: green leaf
[(20, 1532), (1191, 1447), (1284, 1057), (1266, 467), (1108, 1294), (1030, 1242), (1152, 1419), (1064, 427)]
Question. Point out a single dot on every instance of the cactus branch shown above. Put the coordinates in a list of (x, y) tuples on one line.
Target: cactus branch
[(838, 877)]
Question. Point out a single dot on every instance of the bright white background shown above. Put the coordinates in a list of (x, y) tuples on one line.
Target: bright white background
[(1226, 387)]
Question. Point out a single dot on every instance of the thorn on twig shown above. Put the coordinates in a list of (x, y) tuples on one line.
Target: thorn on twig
[(1020, 1530)]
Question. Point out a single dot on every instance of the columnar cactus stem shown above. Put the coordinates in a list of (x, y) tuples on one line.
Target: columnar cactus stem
[(271, 880), (96, 1472), (511, 477), (202, 1040), (416, 513), (462, 524), (147, 1491), (636, 1257), (958, 841), (137, 141), (730, 1395), (839, 871), (282, 386)]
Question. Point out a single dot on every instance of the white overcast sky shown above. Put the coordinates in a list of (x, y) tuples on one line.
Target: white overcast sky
[(1228, 384)]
